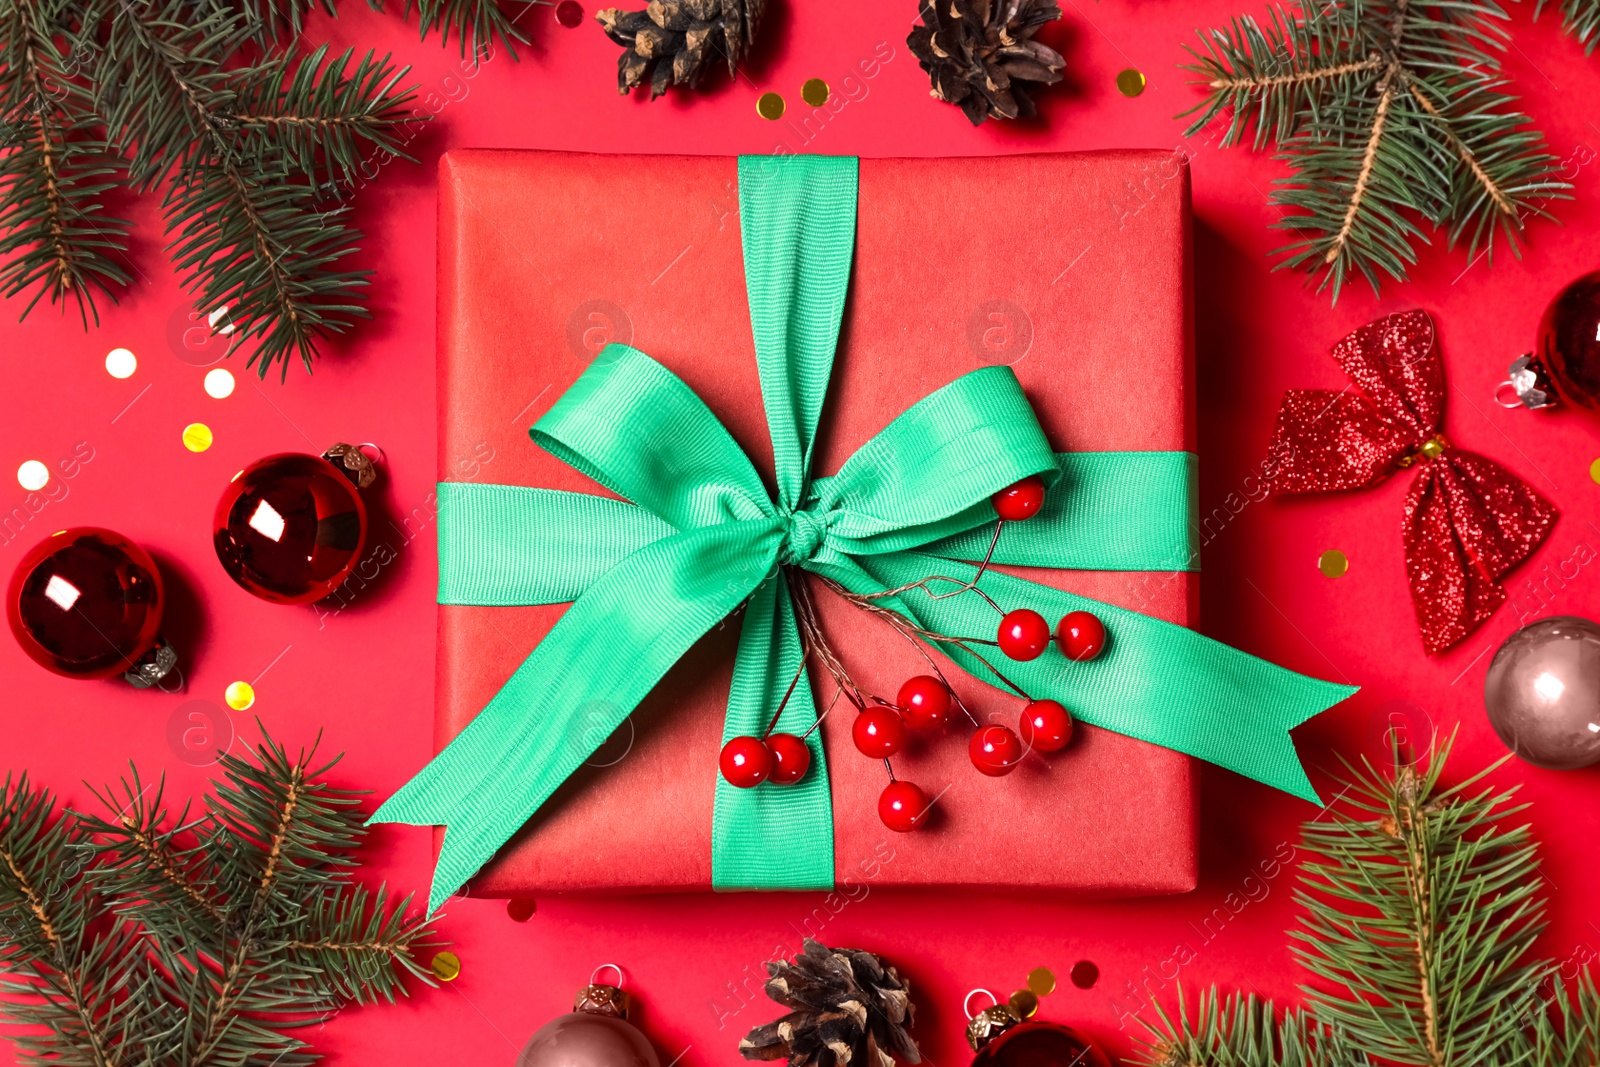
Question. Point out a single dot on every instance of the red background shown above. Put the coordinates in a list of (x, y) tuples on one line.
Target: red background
[(364, 675)]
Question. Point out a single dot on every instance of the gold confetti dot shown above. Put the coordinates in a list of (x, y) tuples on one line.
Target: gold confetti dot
[(1130, 82), (33, 475), (219, 383), (239, 695), (446, 966), (197, 437), (1024, 1003), (1594, 470), (770, 106), (121, 363), (1042, 981), (1333, 563), (814, 92)]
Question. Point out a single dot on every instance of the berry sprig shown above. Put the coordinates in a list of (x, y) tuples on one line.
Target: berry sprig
[(924, 702)]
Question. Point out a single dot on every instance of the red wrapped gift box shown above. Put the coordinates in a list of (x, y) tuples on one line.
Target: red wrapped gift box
[(1072, 268)]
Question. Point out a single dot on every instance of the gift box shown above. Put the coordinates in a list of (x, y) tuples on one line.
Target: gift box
[(1070, 268)]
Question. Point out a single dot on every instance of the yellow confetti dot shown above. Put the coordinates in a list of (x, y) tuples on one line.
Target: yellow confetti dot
[(197, 437), (121, 363), (446, 966), (33, 475), (814, 92), (239, 695), (1333, 563), (219, 382), (1024, 1003), (1130, 82), (770, 106), (1042, 981), (1594, 470)]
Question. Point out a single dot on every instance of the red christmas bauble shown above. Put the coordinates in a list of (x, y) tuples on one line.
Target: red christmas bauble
[(1045, 726), (1021, 500), (1040, 1044), (86, 603), (995, 750), (924, 702), (878, 732), (1569, 342), (290, 528), (903, 807), (1081, 635), (745, 761), (790, 758), (1024, 634)]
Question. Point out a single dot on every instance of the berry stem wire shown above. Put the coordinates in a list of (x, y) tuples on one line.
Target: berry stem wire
[(962, 587)]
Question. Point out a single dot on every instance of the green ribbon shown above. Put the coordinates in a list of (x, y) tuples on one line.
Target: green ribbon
[(697, 534)]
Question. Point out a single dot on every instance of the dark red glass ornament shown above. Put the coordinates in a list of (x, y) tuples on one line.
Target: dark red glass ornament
[(878, 732), (745, 761), (87, 603), (1046, 726), (1024, 634), (1039, 1044), (995, 750), (1081, 635), (1569, 342), (790, 758), (290, 528), (903, 807), (1021, 500), (924, 702)]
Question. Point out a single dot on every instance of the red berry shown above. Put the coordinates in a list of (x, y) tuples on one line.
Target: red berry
[(924, 702), (745, 762), (1020, 501), (1024, 634), (879, 732), (1046, 726), (995, 750), (1081, 635), (903, 807), (790, 758)]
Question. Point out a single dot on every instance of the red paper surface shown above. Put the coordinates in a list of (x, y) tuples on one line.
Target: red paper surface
[(361, 671), (538, 270)]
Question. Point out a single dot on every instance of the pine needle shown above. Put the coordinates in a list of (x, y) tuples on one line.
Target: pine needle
[(1393, 119), (1422, 903), (143, 938)]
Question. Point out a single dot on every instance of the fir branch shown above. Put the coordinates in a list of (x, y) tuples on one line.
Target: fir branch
[(1241, 1031), (56, 168), (478, 23), (1579, 19), (1390, 116)]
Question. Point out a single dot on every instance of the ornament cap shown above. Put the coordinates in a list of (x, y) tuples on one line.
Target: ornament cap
[(1530, 382), (353, 463), (597, 999), (989, 1023), (153, 666)]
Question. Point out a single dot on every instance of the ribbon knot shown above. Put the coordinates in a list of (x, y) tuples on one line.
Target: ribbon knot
[(803, 533), (1468, 520)]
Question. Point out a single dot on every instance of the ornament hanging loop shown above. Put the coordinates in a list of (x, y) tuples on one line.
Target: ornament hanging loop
[(594, 979), (966, 1005), (597, 998)]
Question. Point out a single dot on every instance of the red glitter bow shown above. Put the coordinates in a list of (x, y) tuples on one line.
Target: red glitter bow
[(1468, 520)]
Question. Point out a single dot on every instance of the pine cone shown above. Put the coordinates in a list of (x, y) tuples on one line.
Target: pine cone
[(670, 41), (980, 52), (848, 1007)]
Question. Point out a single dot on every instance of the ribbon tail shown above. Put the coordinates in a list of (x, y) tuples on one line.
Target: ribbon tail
[(593, 668), (1156, 681), (773, 837)]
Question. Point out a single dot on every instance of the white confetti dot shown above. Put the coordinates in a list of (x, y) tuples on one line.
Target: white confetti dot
[(33, 475), (219, 383), (121, 363)]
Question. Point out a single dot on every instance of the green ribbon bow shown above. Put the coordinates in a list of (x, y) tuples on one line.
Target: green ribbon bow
[(703, 535)]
